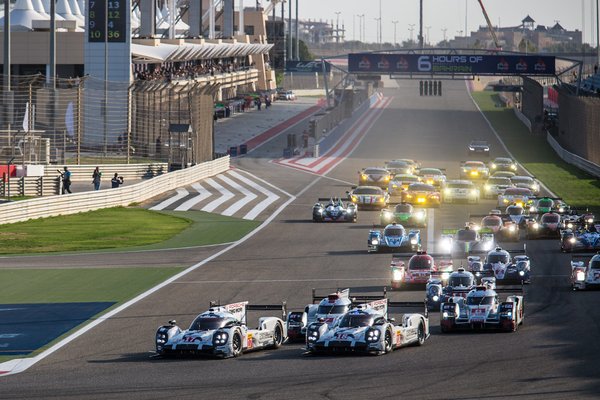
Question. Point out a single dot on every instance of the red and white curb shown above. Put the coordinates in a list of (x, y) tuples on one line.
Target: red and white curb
[(344, 147)]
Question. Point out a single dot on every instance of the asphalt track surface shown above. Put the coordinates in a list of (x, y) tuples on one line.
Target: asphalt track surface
[(554, 355)]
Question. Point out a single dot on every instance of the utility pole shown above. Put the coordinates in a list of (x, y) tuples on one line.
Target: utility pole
[(337, 26), (290, 40), (283, 30), (8, 107), (361, 25), (411, 29), (395, 25), (466, 16), (380, 25), (444, 30), (597, 33), (353, 27), (378, 29), (421, 24), (297, 34), (428, 42)]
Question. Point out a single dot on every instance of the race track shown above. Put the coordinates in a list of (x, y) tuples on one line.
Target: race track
[(554, 355)]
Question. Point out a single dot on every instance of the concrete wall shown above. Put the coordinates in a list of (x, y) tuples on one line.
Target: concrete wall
[(532, 103)]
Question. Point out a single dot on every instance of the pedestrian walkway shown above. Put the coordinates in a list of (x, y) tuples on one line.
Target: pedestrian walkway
[(234, 193), (256, 127)]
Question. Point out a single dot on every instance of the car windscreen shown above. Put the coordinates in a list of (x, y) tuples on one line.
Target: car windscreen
[(517, 192), (420, 262), (394, 232), (480, 300), (397, 164), (521, 179), (370, 191), (479, 143), (514, 210), (491, 222), (474, 165), (332, 309), (207, 323), (375, 171), (550, 218), (421, 187), (497, 258), (502, 160), (430, 171), (499, 181), (546, 203), (404, 208), (356, 320), (595, 264), (464, 234), (459, 185), (465, 281)]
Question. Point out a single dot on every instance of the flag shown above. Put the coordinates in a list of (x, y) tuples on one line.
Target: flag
[(69, 125), (26, 118)]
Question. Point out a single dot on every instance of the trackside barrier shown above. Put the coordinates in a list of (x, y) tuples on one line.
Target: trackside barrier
[(24, 210), (573, 159), (522, 118)]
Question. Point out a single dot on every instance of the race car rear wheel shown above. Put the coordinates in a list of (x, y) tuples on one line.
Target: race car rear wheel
[(277, 336), (236, 344), (421, 335), (387, 342)]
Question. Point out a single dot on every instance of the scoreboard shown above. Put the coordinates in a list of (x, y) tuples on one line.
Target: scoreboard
[(102, 30)]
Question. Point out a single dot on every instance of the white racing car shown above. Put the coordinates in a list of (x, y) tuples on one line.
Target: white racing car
[(367, 329), (222, 331)]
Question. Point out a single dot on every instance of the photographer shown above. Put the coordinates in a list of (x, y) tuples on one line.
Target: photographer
[(66, 180), (116, 181)]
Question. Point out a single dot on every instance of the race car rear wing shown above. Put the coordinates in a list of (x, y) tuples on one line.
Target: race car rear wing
[(240, 310), (434, 255), (409, 304)]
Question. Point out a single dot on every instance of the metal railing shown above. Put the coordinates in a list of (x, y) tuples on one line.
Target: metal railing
[(573, 159)]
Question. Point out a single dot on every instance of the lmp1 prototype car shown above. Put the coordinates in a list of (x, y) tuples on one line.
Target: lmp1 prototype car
[(222, 331), (495, 186), (503, 164), (367, 329), (404, 214), (402, 166), (467, 240), (548, 226), (583, 237), (421, 194), (380, 177), (421, 267), (503, 227), (366, 197), (548, 204), (499, 265), (334, 211), (474, 170), (479, 147), (586, 276), (325, 308), (393, 237), (482, 309), (461, 190), (438, 291)]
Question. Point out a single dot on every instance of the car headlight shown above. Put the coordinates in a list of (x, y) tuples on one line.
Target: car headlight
[(561, 209), (382, 199), (375, 242), (447, 191), (580, 276), (430, 181), (447, 244), (445, 315), (521, 273), (161, 338), (572, 240), (396, 275), (486, 149), (535, 186), (387, 215), (474, 192), (408, 171), (387, 178), (420, 215), (536, 225), (364, 177), (570, 225), (532, 209), (590, 220), (471, 148), (220, 338), (513, 167), (512, 228), (494, 166), (372, 335), (414, 241), (395, 186), (354, 199), (435, 298), (505, 201), (488, 187), (445, 276), (312, 336)]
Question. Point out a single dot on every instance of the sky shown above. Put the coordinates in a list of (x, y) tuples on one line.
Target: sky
[(446, 14)]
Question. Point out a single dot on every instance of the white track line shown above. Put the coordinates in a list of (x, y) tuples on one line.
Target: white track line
[(181, 193), (203, 194), (248, 196), (502, 143), (271, 197), (225, 195)]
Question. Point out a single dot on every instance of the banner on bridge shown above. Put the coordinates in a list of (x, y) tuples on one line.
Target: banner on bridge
[(458, 64), (306, 66)]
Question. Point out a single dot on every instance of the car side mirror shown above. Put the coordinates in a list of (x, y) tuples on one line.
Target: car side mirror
[(172, 322), (392, 320)]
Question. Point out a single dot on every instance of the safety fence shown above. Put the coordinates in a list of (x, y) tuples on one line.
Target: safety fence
[(87, 201), (573, 159)]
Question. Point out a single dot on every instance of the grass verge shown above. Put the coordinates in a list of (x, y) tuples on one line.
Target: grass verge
[(576, 187), (77, 285)]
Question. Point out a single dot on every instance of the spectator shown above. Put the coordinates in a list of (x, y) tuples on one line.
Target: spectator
[(258, 103), (595, 69), (116, 181), (267, 102), (96, 177), (66, 180)]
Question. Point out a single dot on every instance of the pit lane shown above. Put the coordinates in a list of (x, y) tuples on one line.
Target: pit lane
[(554, 354)]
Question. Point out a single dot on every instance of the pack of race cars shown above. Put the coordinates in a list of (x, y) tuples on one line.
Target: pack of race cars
[(469, 297)]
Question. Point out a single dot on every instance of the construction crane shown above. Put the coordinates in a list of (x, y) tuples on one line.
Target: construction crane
[(490, 27)]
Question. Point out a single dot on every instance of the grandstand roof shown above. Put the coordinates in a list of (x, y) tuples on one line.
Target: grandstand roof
[(190, 51)]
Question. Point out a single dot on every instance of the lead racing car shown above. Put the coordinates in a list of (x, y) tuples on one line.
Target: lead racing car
[(482, 309), (222, 331), (438, 291), (335, 210), (393, 237), (367, 329)]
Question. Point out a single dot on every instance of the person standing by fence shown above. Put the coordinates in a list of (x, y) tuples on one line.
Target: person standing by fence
[(116, 181), (96, 178), (66, 180)]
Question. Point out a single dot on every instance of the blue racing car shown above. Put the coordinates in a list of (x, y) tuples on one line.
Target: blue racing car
[(394, 238)]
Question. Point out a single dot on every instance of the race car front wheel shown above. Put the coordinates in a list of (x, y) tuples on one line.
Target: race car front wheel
[(236, 344), (387, 343), (277, 336), (421, 335)]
